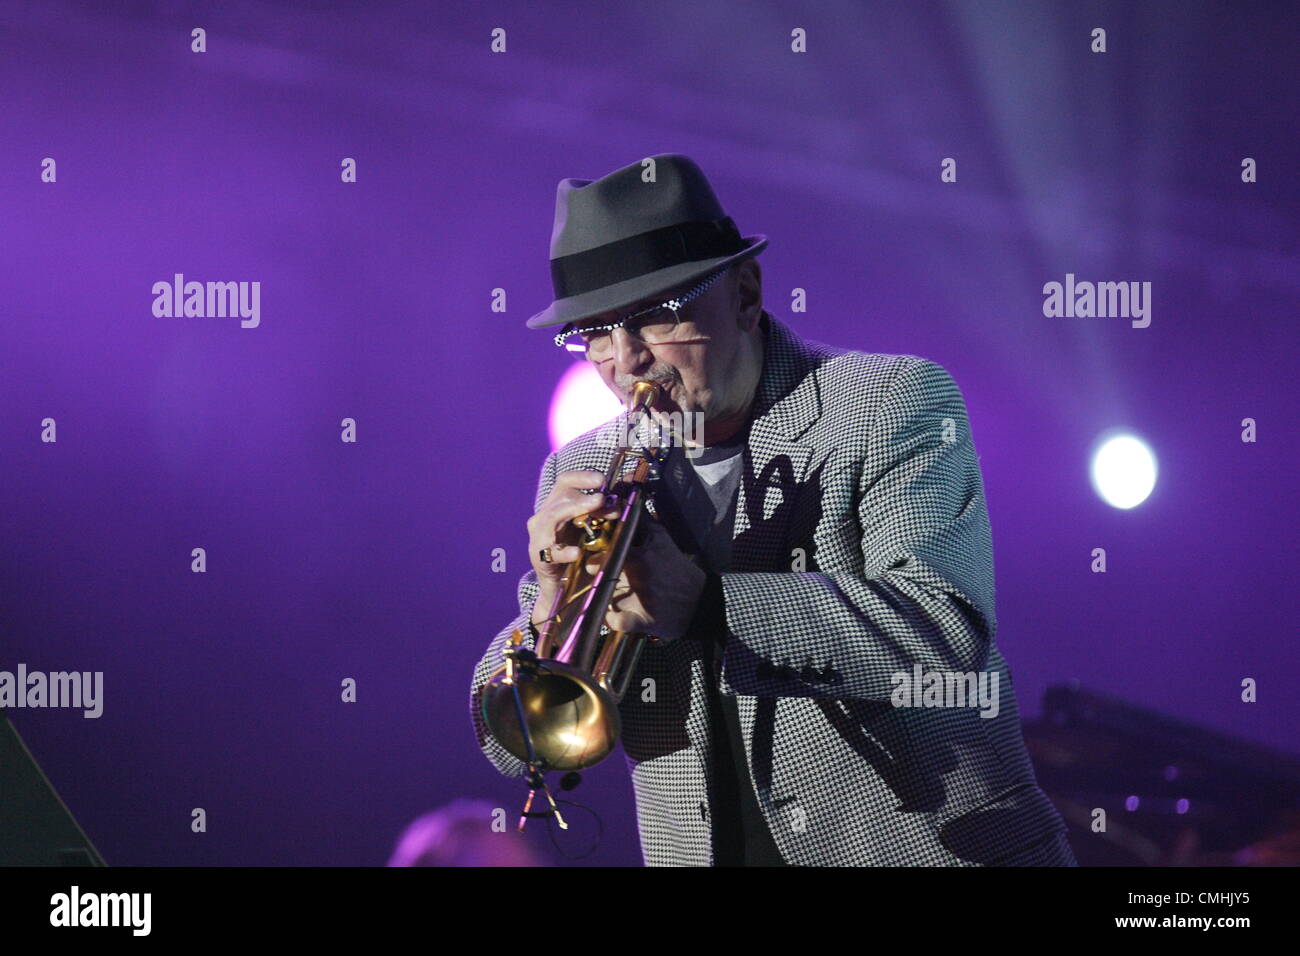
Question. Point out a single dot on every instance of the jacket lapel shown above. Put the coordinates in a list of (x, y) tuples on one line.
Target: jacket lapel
[(776, 463)]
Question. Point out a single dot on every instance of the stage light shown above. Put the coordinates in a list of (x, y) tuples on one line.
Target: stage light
[(1123, 471), (581, 401)]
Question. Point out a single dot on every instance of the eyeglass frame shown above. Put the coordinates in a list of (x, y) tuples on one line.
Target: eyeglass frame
[(673, 305)]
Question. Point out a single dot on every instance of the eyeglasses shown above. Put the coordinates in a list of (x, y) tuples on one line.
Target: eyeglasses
[(653, 326)]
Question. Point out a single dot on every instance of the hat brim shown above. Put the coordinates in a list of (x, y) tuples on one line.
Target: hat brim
[(623, 294)]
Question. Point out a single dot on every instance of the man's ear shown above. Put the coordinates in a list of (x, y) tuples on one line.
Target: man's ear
[(749, 291)]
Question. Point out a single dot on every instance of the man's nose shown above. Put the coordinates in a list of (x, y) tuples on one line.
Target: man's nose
[(631, 355)]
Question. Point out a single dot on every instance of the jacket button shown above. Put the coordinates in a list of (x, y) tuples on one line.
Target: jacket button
[(704, 811)]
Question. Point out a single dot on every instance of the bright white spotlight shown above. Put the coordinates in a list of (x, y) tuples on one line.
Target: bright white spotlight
[(1123, 471), (580, 403)]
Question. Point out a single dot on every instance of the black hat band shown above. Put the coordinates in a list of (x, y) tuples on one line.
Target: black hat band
[(644, 253)]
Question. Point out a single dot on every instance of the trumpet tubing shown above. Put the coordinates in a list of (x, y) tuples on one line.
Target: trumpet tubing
[(556, 707)]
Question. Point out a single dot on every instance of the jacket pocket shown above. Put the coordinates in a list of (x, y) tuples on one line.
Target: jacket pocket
[(1000, 828)]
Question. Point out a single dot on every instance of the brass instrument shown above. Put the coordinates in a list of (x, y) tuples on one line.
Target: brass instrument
[(556, 707)]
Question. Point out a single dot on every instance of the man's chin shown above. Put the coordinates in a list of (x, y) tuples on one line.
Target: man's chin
[(666, 403)]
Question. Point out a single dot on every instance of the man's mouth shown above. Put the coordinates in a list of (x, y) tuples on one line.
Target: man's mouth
[(664, 388)]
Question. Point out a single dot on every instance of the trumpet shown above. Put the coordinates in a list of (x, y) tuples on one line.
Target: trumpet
[(556, 707)]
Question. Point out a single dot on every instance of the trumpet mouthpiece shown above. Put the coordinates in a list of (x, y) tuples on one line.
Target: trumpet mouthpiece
[(644, 394)]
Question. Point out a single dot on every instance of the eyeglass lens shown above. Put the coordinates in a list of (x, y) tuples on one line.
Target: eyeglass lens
[(653, 328)]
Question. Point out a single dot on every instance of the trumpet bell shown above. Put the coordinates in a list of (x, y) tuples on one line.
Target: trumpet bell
[(572, 719)]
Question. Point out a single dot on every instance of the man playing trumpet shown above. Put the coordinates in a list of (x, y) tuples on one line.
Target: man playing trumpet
[(827, 541)]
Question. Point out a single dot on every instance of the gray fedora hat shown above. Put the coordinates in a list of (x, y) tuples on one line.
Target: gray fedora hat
[(618, 239)]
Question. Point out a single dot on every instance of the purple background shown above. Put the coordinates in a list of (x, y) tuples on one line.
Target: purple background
[(372, 560)]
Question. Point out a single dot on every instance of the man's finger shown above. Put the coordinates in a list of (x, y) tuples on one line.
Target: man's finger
[(563, 554), (569, 509), (579, 479)]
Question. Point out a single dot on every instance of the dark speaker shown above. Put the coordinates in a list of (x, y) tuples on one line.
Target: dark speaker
[(36, 828)]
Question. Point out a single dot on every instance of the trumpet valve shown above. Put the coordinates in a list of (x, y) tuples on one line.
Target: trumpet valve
[(595, 532)]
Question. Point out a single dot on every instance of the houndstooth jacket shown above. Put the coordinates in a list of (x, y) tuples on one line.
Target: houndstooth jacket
[(860, 475)]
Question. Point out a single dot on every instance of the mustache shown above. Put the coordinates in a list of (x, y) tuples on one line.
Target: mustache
[(667, 377)]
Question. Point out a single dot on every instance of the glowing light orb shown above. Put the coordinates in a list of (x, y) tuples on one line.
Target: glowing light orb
[(1123, 471), (580, 403)]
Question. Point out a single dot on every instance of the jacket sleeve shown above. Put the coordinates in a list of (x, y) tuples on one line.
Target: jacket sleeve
[(923, 591), (493, 659)]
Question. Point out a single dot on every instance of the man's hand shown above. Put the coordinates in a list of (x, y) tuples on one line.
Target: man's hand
[(549, 528), (659, 588)]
